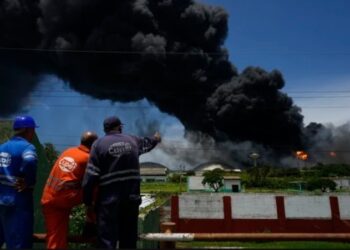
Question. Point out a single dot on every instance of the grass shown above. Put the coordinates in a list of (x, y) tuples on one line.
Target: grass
[(163, 191), (163, 187)]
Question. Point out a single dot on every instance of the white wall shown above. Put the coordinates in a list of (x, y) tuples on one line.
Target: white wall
[(201, 206), (253, 206), (260, 206), (228, 184), (300, 207), (195, 183), (344, 207)]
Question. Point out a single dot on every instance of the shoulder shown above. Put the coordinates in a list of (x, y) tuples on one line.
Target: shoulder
[(27, 146)]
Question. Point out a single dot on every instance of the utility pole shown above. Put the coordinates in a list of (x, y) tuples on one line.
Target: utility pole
[(254, 156), (182, 168)]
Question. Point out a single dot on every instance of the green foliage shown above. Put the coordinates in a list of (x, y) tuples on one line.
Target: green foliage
[(318, 183), (332, 170), (5, 131), (76, 225), (214, 178), (162, 187), (257, 176), (51, 153), (77, 220), (285, 172), (190, 173), (177, 178), (276, 183)]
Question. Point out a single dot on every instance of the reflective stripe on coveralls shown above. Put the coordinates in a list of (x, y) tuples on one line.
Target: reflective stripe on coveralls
[(61, 193)]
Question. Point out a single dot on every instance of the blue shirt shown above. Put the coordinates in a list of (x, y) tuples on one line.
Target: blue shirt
[(18, 159)]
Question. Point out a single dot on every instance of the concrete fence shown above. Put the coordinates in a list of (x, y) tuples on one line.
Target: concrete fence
[(242, 213)]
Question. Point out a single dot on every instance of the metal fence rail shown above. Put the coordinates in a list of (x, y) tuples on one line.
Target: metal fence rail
[(345, 237)]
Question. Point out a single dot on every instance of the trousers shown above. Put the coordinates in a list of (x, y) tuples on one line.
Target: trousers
[(56, 223), (16, 224), (117, 224)]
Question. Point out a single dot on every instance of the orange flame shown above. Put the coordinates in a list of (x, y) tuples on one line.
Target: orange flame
[(301, 155), (332, 154)]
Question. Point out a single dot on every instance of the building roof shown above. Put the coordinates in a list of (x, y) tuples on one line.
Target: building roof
[(152, 169), (231, 177), (212, 165), (151, 165)]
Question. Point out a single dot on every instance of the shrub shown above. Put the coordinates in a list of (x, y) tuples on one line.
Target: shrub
[(318, 183)]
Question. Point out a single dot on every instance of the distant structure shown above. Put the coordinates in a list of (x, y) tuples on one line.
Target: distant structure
[(232, 183), (151, 171), (201, 168), (343, 182)]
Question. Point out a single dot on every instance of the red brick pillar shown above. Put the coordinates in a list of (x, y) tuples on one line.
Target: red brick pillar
[(175, 210), (336, 222), (227, 214), (281, 214)]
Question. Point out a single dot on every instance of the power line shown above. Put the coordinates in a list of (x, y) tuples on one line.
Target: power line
[(43, 91), (318, 91), (130, 52), (121, 52), (169, 144), (167, 93), (126, 106), (177, 148)]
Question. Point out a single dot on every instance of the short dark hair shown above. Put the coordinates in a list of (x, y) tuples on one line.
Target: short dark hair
[(110, 123), (88, 138)]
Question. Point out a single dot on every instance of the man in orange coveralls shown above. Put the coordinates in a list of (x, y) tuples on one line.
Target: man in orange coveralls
[(63, 191)]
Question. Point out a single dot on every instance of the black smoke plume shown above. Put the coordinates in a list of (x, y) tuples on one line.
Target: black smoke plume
[(328, 143), (167, 51)]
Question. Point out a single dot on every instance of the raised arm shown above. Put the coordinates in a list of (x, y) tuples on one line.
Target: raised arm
[(146, 144)]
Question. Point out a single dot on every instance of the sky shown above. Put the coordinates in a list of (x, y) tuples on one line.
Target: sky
[(307, 40)]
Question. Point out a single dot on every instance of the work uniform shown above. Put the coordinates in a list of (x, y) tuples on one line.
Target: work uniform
[(18, 159), (62, 192), (114, 167)]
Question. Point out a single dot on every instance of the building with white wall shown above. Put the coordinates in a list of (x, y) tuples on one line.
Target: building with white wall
[(151, 171)]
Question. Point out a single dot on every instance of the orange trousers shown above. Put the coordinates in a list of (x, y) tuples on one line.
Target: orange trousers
[(57, 223)]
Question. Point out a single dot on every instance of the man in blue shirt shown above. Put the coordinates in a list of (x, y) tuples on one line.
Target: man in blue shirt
[(114, 169), (18, 164)]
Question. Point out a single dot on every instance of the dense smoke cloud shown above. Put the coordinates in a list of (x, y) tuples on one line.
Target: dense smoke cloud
[(251, 107), (167, 51), (327, 143)]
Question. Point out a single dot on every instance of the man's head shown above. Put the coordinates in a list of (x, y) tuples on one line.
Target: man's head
[(112, 123), (24, 126), (88, 138)]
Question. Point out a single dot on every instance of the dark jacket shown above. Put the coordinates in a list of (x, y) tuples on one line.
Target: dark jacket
[(114, 168)]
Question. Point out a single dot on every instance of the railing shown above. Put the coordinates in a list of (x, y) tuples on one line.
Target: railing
[(41, 237), (168, 238)]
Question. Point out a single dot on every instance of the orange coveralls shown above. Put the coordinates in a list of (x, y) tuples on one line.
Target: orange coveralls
[(61, 193)]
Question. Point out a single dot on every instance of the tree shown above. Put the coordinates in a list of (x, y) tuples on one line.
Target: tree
[(51, 153), (5, 131), (214, 178), (257, 176), (323, 184)]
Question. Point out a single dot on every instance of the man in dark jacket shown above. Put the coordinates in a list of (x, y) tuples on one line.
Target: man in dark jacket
[(114, 169)]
